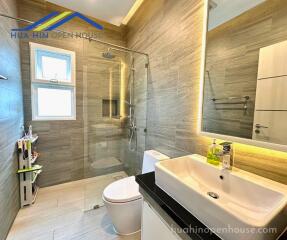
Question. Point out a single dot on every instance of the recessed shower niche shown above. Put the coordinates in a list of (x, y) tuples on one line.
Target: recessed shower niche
[(110, 108)]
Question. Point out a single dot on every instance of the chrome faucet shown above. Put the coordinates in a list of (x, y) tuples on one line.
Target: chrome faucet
[(226, 155)]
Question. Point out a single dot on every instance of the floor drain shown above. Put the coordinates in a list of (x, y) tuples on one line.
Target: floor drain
[(118, 177), (96, 207), (213, 195)]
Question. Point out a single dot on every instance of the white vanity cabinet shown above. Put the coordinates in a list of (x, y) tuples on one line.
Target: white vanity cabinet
[(154, 227)]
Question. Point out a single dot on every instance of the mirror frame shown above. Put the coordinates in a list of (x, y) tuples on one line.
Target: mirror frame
[(261, 144)]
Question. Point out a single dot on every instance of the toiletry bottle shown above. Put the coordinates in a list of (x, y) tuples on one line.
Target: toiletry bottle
[(29, 154), (213, 153), (30, 133), (20, 145)]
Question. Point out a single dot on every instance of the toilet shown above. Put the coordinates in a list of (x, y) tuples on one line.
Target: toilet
[(124, 201)]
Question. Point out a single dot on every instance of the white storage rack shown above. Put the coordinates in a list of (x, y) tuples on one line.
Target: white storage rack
[(28, 171)]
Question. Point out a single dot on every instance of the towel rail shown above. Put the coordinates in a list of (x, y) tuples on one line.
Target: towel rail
[(246, 98), (3, 78), (232, 101)]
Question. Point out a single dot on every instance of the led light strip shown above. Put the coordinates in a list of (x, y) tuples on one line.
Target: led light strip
[(132, 11)]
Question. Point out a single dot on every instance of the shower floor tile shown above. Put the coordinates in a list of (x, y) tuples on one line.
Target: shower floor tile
[(64, 212), (106, 163)]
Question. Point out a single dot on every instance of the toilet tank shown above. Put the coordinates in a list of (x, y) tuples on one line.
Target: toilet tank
[(149, 160)]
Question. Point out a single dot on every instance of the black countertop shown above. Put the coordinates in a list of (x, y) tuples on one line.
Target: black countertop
[(183, 218)]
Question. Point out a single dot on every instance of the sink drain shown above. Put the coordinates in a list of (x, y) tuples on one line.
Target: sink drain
[(213, 195)]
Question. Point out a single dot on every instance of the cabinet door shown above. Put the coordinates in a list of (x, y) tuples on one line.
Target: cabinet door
[(270, 126), (153, 227), (271, 94), (273, 61)]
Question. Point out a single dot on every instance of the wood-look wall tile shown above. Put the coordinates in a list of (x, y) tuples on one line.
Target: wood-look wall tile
[(171, 33), (61, 143), (11, 118)]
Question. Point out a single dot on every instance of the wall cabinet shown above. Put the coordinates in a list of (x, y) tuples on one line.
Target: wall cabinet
[(271, 94), (271, 99), (272, 125), (272, 61)]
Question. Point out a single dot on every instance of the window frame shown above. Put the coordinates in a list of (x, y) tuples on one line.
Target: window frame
[(53, 83), (39, 64)]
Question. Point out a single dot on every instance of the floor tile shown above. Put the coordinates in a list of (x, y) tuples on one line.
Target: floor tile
[(65, 212)]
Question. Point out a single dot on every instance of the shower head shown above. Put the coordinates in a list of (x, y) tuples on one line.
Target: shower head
[(108, 55)]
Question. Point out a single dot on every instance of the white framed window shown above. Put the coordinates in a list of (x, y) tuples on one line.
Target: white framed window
[(53, 83)]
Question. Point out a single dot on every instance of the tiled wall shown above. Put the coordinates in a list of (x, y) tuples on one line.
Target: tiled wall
[(171, 33), (61, 143), (11, 118)]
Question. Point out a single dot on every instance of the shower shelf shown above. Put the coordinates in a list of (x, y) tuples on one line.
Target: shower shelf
[(35, 168), (28, 170)]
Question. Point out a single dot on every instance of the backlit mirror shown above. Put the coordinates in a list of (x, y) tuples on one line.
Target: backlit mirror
[(245, 75)]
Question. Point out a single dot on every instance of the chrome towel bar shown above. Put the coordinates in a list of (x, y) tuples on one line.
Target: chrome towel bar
[(246, 98), (3, 78)]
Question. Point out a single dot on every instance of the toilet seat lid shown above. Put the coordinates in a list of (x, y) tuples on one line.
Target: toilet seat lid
[(123, 190)]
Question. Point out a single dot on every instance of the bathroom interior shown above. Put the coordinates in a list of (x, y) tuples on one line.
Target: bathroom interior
[(143, 119)]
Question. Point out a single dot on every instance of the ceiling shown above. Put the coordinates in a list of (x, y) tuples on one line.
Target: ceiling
[(225, 10), (112, 11)]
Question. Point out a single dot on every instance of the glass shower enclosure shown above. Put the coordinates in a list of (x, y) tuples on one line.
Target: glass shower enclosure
[(114, 107)]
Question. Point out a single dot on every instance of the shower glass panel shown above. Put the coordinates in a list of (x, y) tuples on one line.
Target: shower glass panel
[(114, 97)]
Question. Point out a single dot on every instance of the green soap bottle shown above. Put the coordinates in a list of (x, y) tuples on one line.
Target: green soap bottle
[(213, 154)]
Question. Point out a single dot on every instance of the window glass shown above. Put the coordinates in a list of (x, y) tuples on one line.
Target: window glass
[(53, 83), (54, 102), (53, 66)]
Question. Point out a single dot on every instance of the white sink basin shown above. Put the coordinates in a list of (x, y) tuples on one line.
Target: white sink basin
[(246, 203)]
